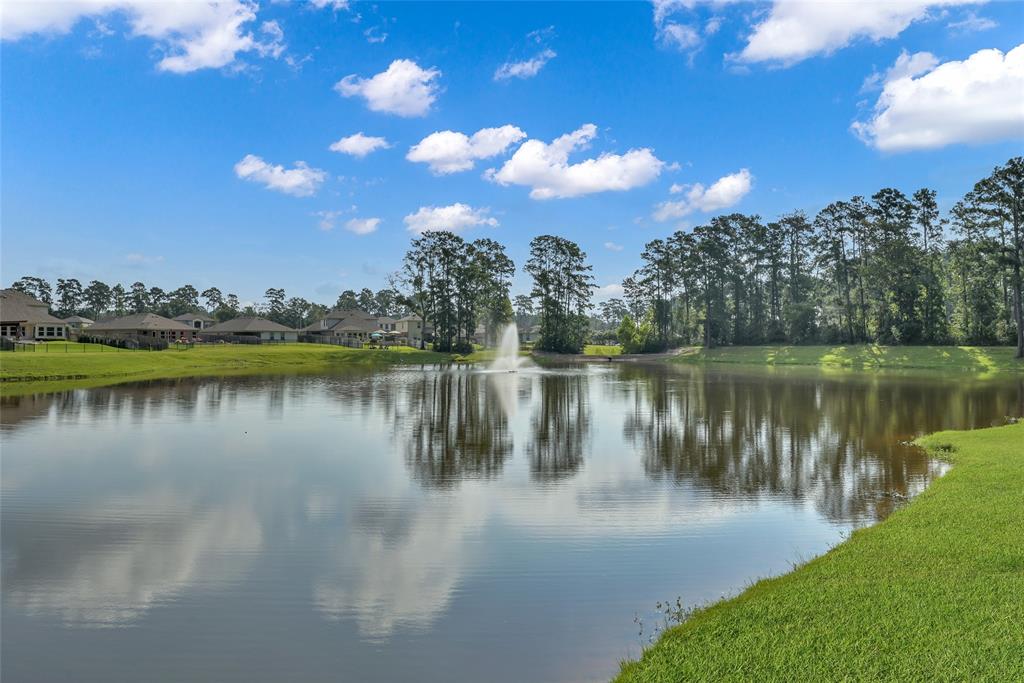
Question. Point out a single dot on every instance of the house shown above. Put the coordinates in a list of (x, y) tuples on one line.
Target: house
[(77, 323), (412, 331), (142, 325), (351, 326), (259, 328), (23, 316), (197, 321), (387, 323), (528, 335)]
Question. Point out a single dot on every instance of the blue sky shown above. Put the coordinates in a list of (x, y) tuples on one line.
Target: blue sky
[(124, 128)]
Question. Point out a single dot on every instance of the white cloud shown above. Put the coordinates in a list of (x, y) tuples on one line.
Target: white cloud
[(450, 152), (362, 226), (359, 145), (612, 246), (375, 35), (971, 23), (545, 168), (926, 105), (906, 65), (723, 193), (609, 291), (403, 89), (301, 181), (455, 218), (190, 35), (327, 219), (679, 36), (335, 5), (525, 69), (797, 29)]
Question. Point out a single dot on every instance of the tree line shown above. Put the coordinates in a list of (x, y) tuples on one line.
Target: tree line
[(888, 269), (458, 286), (97, 300)]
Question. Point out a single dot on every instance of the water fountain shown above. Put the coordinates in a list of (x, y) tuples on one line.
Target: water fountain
[(507, 359)]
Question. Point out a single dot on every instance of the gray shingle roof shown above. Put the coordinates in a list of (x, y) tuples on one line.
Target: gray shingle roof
[(140, 321), (195, 316), (239, 325), (17, 306), (78, 319)]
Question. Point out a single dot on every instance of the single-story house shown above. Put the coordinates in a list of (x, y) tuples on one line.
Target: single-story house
[(351, 325), (142, 325), (24, 316), (77, 323), (265, 330), (197, 321)]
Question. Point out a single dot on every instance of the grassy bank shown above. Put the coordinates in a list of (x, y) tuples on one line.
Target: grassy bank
[(91, 366), (974, 359), (935, 592), (602, 350)]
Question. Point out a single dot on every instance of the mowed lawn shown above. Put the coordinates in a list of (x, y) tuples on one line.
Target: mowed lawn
[(92, 365), (933, 593), (975, 359)]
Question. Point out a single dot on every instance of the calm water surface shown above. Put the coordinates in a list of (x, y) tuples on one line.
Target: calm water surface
[(431, 524)]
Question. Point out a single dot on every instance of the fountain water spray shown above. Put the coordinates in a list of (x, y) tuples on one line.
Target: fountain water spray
[(508, 359)]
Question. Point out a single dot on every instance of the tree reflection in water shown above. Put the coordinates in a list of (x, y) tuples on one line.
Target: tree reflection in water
[(841, 442), (559, 426), (452, 426)]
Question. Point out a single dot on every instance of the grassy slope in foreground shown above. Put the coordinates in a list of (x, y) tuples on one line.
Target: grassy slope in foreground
[(935, 592), (978, 359), (40, 371)]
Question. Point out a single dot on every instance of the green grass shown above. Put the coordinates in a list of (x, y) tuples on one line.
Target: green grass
[(933, 593), (94, 365), (975, 359), (602, 350)]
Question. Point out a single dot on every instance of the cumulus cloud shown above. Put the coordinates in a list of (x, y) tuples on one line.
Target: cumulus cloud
[(525, 69), (924, 104), (359, 145), (404, 89), (723, 193), (450, 152), (545, 168), (609, 291), (300, 181), (612, 246), (189, 35), (362, 226), (797, 29), (454, 218)]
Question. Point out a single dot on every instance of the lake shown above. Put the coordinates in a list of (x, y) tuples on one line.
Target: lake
[(433, 523)]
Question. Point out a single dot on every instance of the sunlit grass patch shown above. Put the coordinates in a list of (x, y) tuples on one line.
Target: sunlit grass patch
[(602, 350), (935, 592), (22, 372), (981, 361)]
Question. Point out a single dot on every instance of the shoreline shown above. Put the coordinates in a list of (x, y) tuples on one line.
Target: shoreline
[(918, 596), (27, 373), (24, 373)]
